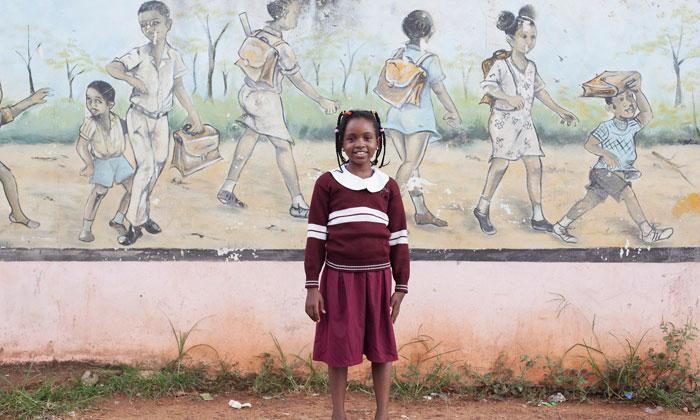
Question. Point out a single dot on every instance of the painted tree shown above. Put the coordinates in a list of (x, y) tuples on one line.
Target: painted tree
[(209, 14), (225, 69), (27, 56), (370, 67), (73, 60), (678, 40), (347, 61), (191, 47), (314, 50)]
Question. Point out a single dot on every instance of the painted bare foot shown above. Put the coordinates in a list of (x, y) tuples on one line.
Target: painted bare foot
[(24, 220)]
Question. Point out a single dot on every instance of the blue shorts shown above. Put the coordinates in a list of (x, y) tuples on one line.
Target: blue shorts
[(111, 171)]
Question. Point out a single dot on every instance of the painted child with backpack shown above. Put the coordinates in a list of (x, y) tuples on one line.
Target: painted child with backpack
[(261, 101), (613, 141), (511, 85), (410, 123)]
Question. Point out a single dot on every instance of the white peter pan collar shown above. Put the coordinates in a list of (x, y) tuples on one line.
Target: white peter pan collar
[(373, 184)]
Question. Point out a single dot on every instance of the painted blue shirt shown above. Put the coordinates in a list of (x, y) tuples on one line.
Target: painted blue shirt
[(617, 137), (410, 118)]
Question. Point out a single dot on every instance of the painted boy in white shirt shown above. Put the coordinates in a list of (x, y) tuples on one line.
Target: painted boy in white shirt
[(155, 71)]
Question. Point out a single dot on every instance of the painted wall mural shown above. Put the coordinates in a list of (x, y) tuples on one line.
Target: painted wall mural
[(202, 125)]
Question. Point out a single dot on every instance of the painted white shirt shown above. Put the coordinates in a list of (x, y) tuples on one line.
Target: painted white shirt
[(159, 80)]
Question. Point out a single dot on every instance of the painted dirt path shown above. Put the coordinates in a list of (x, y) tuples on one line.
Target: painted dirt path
[(53, 193)]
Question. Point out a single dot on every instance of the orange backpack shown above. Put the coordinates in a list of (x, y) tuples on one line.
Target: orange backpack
[(258, 58), (486, 68), (401, 80)]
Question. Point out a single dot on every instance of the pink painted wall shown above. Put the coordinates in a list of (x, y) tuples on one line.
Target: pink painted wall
[(118, 312)]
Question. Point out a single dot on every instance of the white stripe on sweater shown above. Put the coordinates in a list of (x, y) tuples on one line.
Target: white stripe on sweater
[(317, 235), (357, 218), (358, 210), (397, 241), (317, 228), (398, 234)]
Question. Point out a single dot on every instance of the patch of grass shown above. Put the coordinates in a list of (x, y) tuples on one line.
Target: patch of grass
[(665, 377)]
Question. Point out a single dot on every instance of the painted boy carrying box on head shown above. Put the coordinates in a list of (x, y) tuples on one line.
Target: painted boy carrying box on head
[(614, 142), (155, 71), (9, 184)]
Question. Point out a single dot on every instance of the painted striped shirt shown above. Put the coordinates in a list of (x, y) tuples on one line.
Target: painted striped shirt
[(357, 225)]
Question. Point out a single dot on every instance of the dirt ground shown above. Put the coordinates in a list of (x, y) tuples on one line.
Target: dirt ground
[(53, 193), (361, 406)]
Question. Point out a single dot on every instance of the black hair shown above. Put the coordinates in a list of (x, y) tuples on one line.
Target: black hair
[(158, 6), (278, 8), (418, 24), (509, 23), (344, 118), (608, 100), (104, 89)]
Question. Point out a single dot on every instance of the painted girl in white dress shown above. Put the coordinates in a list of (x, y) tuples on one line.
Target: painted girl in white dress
[(513, 82)]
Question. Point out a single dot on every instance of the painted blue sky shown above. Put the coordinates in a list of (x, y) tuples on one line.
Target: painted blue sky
[(576, 38)]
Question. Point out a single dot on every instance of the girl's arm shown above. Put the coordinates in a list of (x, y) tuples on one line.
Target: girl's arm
[(315, 251), (329, 106), (452, 117), (566, 116), (39, 97), (497, 92), (83, 149), (186, 101)]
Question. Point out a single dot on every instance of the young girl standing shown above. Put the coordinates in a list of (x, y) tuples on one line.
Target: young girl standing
[(101, 146), (411, 127), (357, 227), (512, 84)]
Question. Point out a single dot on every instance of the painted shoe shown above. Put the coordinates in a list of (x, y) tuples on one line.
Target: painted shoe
[(86, 236), (31, 224), (657, 234), (119, 227), (429, 219), (152, 227), (131, 236), (229, 199), (563, 233), (541, 225), (299, 212), (484, 222)]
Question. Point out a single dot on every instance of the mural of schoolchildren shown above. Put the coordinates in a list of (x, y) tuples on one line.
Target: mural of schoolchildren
[(511, 85), (613, 141), (412, 126), (9, 184), (264, 116), (101, 145), (155, 71)]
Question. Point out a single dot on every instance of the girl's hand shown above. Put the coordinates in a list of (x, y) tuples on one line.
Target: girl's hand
[(516, 101), (453, 119), (329, 106), (39, 97), (87, 170), (314, 304), (396, 300), (568, 118)]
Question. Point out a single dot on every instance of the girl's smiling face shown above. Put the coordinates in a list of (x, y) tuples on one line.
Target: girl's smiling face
[(360, 142), (96, 103), (525, 38)]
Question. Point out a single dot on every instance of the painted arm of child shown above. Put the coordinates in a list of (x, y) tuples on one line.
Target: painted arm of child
[(39, 97), (452, 117), (645, 114), (593, 145), (82, 147), (566, 116), (186, 101), (515, 101), (329, 106), (118, 70)]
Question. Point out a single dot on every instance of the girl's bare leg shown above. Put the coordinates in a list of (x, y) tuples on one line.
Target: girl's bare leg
[(244, 149), (338, 381), (533, 169), (9, 184), (497, 169), (381, 376)]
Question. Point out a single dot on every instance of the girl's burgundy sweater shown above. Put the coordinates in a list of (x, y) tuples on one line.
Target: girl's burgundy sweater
[(357, 224)]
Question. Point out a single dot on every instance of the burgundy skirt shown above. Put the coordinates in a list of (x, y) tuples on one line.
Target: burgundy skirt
[(357, 319)]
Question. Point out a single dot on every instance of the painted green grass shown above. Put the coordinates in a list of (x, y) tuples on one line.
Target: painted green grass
[(58, 121)]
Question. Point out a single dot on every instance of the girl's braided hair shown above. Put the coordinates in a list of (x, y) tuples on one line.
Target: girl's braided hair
[(343, 119)]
